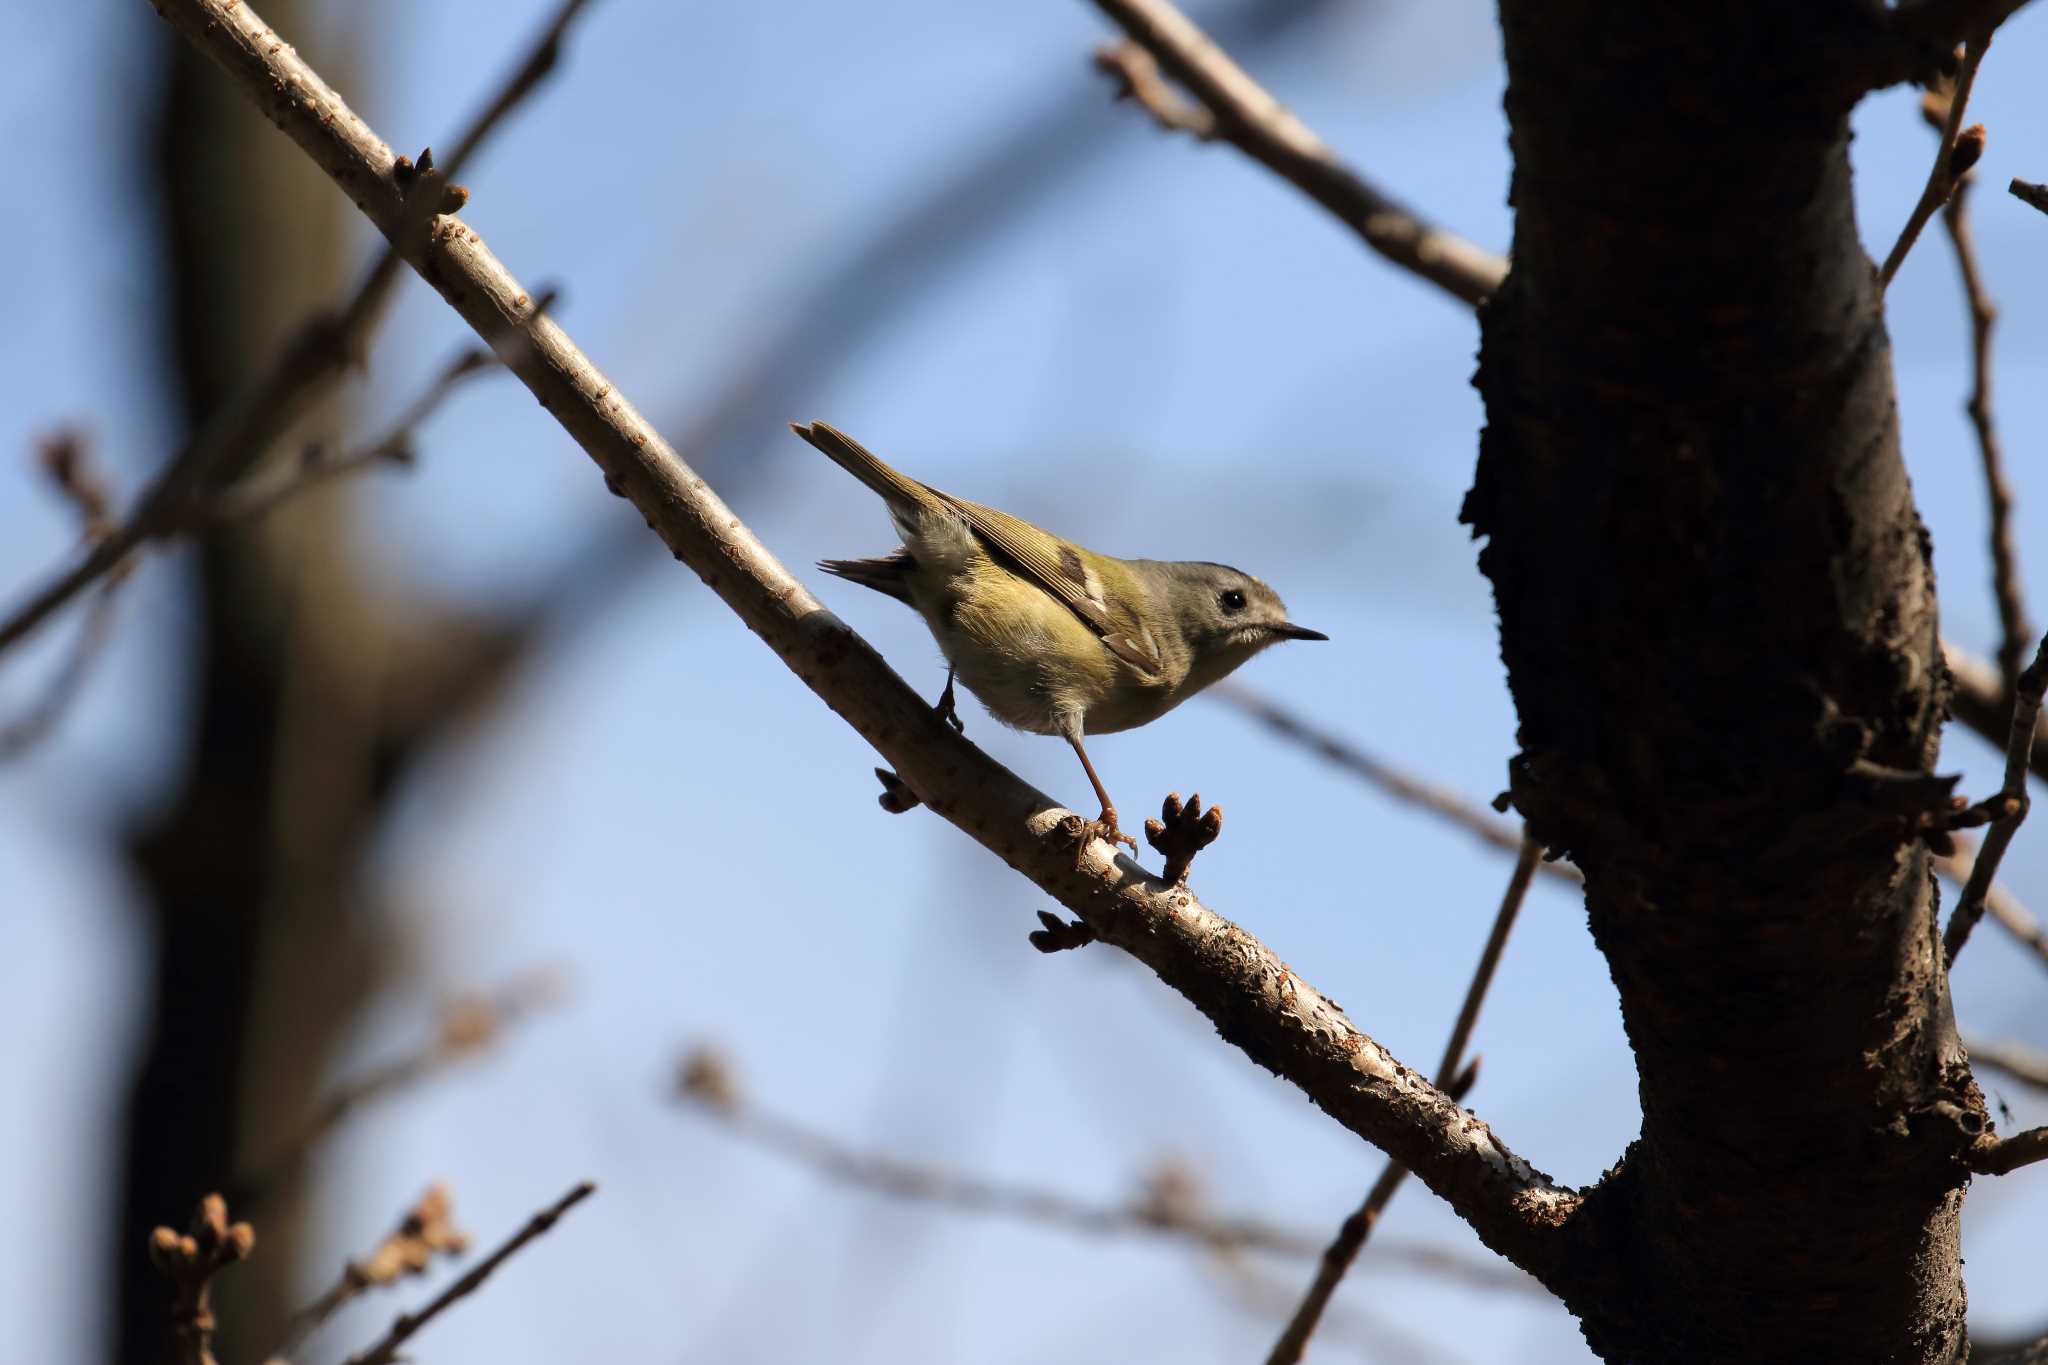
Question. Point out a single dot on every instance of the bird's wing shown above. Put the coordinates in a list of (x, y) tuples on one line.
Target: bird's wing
[(1043, 558), (1056, 567)]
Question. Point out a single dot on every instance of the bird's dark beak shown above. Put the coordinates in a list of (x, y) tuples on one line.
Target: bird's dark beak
[(1287, 630)]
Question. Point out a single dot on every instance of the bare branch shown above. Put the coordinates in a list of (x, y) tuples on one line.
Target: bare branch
[(1467, 815), (469, 1024), (427, 1230), (1982, 701), (69, 466), (385, 1350), (267, 489), (2005, 572), (2003, 1156), (2023, 1064), (308, 366), (1244, 115), (1257, 1001), (2029, 193), (1999, 901), (2007, 808), (1168, 1203), (1136, 73), (190, 1261), (1951, 159), (1352, 1236)]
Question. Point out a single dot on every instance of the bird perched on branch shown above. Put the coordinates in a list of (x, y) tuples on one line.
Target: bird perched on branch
[(1055, 639)]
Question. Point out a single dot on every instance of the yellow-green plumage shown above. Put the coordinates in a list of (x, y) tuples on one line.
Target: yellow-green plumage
[(1054, 638)]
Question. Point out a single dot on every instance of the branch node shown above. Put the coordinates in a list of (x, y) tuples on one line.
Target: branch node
[(1059, 935), (1182, 832), (896, 797)]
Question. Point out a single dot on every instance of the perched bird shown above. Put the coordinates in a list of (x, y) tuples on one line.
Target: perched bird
[(1055, 639)]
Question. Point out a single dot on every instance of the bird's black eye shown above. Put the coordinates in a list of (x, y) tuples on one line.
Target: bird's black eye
[(1232, 600)]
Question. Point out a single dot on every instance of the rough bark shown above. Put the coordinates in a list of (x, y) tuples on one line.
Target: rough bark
[(1717, 613)]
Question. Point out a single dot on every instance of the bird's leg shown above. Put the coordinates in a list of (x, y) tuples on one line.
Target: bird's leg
[(1104, 825), (945, 706)]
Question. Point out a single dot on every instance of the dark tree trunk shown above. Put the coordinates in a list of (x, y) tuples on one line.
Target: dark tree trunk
[(257, 967), (1717, 613)]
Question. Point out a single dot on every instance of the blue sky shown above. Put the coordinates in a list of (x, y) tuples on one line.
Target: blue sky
[(1157, 349)]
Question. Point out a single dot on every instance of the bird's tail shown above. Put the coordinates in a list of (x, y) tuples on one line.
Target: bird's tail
[(900, 491), (888, 575)]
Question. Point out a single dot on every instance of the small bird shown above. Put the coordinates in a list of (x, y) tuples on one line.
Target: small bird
[(1055, 639)]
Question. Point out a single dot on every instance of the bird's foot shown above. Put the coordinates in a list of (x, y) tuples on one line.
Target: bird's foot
[(1102, 827), (1182, 832), (946, 710)]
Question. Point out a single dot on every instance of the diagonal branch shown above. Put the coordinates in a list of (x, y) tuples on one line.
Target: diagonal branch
[(1402, 786), (2014, 632), (1983, 702), (1168, 1203), (1351, 1238), (2007, 807), (1955, 156), (308, 366), (1255, 999), (385, 1350), (1243, 114)]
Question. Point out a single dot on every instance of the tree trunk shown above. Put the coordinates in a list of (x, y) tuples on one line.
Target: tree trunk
[(248, 869), (1718, 618)]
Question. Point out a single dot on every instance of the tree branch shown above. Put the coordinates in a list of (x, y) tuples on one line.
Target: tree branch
[(1256, 1001), (1169, 1204), (2006, 590), (2023, 1064), (2007, 807), (1982, 701), (469, 1024), (308, 366), (385, 1350), (1951, 159), (2003, 1156), (1244, 115), (1402, 786), (1999, 901), (427, 1230), (1351, 1238)]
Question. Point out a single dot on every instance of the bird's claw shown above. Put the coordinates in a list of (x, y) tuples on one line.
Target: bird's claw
[(947, 712), (1103, 827)]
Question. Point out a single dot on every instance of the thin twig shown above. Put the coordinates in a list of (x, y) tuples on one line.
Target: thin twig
[(1138, 78), (2005, 571), (1168, 1204), (2003, 1156), (385, 1350), (1264, 1007), (427, 1230), (1982, 700), (1352, 1236), (2008, 806), (469, 1024), (265, 490), (67, 462), (1467, 815), (2022, 1064), (1944, 174), (1999, 901), (2028, 193), (1251, 120), (323, 349)]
